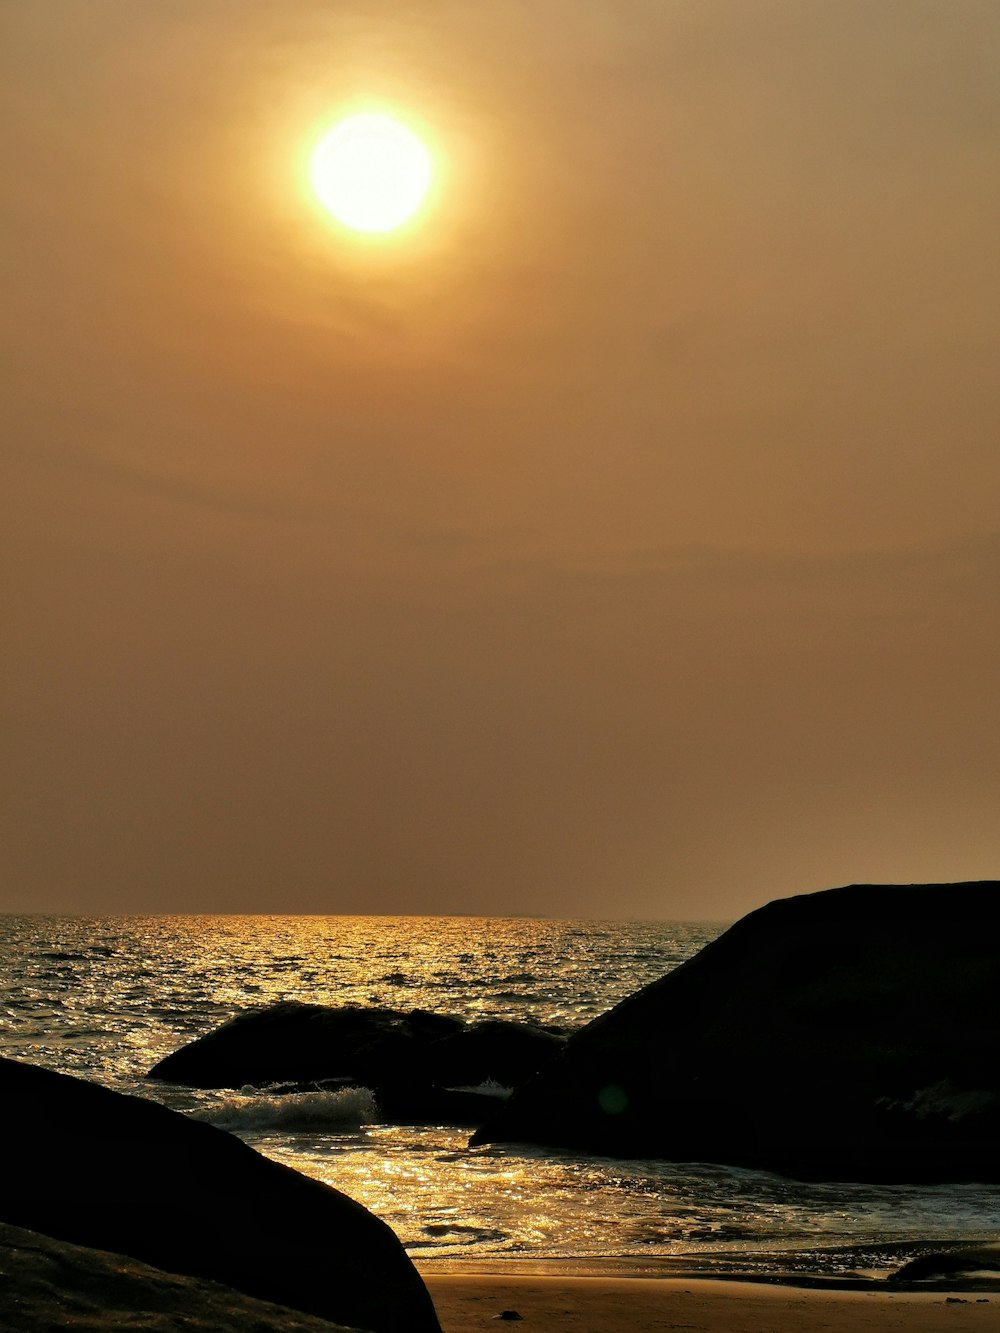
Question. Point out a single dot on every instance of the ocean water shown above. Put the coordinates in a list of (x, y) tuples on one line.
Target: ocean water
[(105, 997)]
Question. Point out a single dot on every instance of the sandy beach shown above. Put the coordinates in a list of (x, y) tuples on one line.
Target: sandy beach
[(471, 1303), (48, 1284)]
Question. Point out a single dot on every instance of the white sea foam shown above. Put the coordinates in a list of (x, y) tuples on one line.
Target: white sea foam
[(320, 1110), (491, 1088)]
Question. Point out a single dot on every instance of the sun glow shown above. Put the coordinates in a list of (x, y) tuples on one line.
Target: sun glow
[(371, 173)]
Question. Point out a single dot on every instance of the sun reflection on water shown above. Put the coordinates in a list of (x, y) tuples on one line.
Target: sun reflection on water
[(108, 997)]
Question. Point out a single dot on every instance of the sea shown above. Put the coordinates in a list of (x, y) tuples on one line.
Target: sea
[(106, 997)]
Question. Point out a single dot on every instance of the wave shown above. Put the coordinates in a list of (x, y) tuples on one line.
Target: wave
[(344, 1107), (491, 1088)]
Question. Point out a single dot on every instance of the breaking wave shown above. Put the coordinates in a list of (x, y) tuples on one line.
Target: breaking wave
[(338, 1109)]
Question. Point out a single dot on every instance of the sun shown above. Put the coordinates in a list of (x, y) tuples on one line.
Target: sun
[(371, 173)]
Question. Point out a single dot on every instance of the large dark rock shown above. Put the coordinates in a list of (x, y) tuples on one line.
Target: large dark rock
[(49, 1284), (409, 1058), (499, 1050), (296, 1042), (852, 1034), (118, 1173)]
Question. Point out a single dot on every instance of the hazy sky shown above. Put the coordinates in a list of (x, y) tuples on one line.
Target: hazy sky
[(624, 541)]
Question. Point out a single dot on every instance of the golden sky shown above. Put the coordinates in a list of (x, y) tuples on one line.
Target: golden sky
[(621, 540)]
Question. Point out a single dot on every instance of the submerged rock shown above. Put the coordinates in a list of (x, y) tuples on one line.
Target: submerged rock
[(96, 1168), (49, 1284), (851, 1034), (413, 1060)]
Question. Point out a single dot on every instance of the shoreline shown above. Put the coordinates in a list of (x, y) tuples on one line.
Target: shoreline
[(668, 1269), (51, 1283), (473, 1303)]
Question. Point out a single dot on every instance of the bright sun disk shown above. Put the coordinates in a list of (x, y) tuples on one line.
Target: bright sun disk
[(371, 172)]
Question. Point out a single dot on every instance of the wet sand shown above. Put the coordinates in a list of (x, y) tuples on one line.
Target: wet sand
[(472, 1303)]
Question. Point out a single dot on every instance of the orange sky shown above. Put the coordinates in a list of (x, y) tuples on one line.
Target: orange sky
[(624, 542)]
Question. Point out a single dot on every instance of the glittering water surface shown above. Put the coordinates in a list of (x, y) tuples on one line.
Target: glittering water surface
[(107, 997)]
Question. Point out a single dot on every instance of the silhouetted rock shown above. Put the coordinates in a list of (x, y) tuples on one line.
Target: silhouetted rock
[(498, 1050), (118, 1173), (295, 1042), (411, 1059), (851, 1034), (49, 1284), (942, 1266)]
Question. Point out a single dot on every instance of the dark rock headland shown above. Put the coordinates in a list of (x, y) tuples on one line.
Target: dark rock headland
[(96, 1168), (850, 1034)]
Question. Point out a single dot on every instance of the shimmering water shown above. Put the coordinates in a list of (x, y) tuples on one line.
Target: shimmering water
[(107, 997)]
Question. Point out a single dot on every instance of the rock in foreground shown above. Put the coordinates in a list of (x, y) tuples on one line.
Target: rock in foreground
[(119, 1173), (851, 1034), (49, 1284)]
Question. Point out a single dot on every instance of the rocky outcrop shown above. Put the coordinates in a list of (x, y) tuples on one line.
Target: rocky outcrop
[(299, 1043), (96, 1168), (493, 1050), (411, 1059), (943, 1266), (49, 1284), (851, 1034)]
